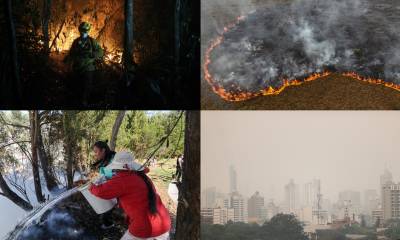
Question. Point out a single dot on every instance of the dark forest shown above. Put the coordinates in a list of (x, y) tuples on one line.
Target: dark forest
[(149, 54)]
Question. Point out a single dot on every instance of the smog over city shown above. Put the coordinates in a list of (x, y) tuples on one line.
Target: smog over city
[(344, 150)]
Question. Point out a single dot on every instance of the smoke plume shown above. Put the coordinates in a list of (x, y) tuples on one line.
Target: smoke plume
[(295, 39)]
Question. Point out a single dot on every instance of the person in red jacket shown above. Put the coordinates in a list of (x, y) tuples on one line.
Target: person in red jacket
[(146, 214)]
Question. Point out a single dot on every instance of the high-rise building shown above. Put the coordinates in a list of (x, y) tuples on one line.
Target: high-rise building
[(239, 205), (349, 205), (263, 214), (377, 216), (371, 201), (326, 204), (216, 215), (305, 214), (386, 177), (308, 194), (311, 191), (208, 197), (222, 202), (391, 200), (272, 210), (255, 206), (352, 197), (233, 179), (291, 197), (207, 215)]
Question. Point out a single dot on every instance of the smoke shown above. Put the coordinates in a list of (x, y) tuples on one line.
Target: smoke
[(322, 51), (211, 8), (295, 39), (57, 224)]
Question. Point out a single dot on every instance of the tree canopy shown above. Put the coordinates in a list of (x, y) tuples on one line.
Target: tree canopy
[(57, 144), (280, 227)]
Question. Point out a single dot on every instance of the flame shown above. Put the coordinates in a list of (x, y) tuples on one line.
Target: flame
[(372, 80), (63, 43), (238, 95), (113, 57)]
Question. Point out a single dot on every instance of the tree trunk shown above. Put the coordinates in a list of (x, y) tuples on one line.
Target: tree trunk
[(44, 162), (69, 144), (70, 163), (8, 193), (13, 49), (128, 37), (177, 24), (187, 50), (115, 129), (45, 25), (188, 213), (33, 116)]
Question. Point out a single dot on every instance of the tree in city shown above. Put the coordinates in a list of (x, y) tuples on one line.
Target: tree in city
[(285, 227), (280, 227), (393, 229), (363, 222), (330, 235)]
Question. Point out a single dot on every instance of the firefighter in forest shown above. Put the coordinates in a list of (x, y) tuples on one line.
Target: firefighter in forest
[(84, 55)]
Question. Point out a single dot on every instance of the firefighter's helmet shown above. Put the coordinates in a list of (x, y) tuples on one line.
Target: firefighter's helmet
[(84, 27)]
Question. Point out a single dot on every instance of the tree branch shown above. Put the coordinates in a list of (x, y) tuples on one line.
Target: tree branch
[(27, 154), (9, 144), (162, 140), (17, 125), (13, 124), (58, 34), (12, 137)]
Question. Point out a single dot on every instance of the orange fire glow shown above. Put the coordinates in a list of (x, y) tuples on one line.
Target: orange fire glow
[(113, 57), (112, 54), (238, 95)]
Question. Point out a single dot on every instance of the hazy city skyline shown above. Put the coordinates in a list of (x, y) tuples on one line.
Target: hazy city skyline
[(345, 150)]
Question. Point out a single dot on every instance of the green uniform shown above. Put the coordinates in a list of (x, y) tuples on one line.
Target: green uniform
[(83, 54)]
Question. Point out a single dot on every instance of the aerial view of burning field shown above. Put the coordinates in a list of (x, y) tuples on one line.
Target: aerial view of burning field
[(299, 54)]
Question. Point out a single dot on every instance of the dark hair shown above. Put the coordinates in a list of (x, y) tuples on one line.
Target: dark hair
[(109, 154), (151, 193), (102, 145)]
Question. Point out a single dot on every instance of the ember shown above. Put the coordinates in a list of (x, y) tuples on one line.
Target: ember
[(266, 51)]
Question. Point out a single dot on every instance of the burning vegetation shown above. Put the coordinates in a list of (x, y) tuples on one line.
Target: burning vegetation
[(293, 43), (148, 56)]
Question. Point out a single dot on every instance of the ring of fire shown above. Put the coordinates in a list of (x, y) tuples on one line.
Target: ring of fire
[(235, 93)]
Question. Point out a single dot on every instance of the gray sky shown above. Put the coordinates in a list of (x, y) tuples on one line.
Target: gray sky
[(346, 150)]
